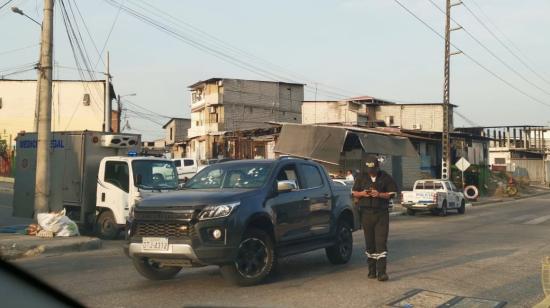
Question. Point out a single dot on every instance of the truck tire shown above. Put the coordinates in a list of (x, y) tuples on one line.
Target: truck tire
[(106, 226), (255, 259), (411, 212), (340, 252), (153, 271), (443, 210), (462, 208)]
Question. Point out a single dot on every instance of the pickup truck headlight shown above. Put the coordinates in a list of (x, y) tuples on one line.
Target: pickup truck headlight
[(217, 211)]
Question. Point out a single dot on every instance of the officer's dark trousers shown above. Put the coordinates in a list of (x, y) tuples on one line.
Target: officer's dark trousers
[(376, 227)]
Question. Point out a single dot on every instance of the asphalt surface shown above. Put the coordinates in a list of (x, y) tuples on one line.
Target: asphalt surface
[(492, 252)]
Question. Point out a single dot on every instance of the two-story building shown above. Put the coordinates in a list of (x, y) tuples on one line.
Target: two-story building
[(222, 105), (176, 130)]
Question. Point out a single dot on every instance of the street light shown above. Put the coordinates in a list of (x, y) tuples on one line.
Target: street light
[(17, 10)]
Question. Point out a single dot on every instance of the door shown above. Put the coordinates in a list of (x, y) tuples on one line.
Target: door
[(189, 166), (318, 199), (452, 195), (291, 208), (113, 190)]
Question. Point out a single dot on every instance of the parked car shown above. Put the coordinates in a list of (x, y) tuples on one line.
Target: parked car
[(187, 167), (437, 196), (243, 215)]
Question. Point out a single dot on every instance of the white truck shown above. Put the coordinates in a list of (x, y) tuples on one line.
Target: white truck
[(187, 167), (95, 176), (436, 196)]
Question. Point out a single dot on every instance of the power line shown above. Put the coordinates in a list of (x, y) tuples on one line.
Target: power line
[(3, 5), (519, 58), (18, 49), (494, 55), (509, 84), (109, 34)]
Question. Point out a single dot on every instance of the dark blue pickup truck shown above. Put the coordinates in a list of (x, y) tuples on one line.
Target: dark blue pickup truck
[(242, 215)]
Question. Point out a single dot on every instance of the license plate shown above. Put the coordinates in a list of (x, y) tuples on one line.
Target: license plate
[(155, 243)]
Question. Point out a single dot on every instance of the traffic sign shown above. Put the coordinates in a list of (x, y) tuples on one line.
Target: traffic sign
[(462, 164)]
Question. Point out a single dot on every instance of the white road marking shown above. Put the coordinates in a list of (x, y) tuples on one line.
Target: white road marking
[(537, 221), (522, 218)]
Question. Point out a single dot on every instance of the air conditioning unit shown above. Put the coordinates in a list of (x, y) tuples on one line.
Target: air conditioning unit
[(417, 126), (118, 141)]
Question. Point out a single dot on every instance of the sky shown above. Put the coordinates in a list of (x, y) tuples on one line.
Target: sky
[(341, 48)]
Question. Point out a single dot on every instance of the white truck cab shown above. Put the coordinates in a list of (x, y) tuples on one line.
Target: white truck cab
[(437, 196), (122, 181)]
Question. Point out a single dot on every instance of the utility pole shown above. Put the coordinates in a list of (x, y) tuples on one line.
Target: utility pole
[(108, 107), (445, 137), (118, 114), (42, 181)]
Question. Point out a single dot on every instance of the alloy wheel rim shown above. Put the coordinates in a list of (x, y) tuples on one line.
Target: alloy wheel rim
[(252, 258)]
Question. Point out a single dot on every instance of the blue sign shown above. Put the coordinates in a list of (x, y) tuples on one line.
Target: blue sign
[(31, 144), (132, 153)]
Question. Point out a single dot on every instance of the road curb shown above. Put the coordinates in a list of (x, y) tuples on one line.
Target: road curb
[(17, 249), (475, 204)]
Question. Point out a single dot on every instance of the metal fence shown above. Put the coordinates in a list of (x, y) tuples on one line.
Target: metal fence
[(535, 169)]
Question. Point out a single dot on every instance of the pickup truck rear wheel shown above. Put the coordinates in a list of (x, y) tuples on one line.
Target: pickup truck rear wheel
[(153, 270), (340, 252), (443, 210), (106, 226), (255, 259)]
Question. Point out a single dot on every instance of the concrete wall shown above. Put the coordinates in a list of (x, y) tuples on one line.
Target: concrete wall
[(68, 109), (422, 117), (179, 129), (333, 112)]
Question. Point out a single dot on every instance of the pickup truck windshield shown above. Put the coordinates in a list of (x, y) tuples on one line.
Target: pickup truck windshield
[(155, 174), (231, 176)]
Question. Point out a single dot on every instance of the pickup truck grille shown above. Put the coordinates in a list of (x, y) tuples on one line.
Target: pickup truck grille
[(164, 215), (171, 230)]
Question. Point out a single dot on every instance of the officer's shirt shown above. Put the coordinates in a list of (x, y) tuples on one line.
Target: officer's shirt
[(383, 183)]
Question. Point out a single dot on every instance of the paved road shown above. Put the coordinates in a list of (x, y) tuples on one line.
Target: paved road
[(492, 252)]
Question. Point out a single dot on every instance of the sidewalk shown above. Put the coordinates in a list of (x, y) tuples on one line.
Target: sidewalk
[(15, 246)]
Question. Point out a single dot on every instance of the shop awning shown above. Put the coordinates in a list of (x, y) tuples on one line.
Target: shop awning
[(326, 143)]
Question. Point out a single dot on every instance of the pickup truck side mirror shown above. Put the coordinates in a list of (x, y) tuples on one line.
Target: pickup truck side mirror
[(286, 186)]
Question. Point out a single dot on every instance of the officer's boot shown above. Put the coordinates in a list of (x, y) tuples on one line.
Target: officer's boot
[(372, 268), (381, 269)]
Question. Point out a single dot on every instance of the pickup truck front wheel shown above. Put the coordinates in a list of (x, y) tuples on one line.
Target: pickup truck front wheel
[(340, 252), (254, 262), (154, 271)]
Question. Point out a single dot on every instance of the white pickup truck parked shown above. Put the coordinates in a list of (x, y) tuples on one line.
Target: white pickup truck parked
[(437, 196)]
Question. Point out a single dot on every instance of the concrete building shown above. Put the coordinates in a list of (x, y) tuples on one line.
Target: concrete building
[(176, 130), (154, 148), (76, 105), (372, 112), (220, 105)]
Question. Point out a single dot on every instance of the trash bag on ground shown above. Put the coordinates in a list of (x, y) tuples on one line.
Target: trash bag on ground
[(57, 223)]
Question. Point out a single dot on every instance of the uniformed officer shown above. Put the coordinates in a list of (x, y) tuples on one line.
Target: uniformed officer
[(372, 190)]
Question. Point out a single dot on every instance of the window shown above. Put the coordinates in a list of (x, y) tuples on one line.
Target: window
[(449, 187), (438, 185), (188, 162), (312, 176), (116, 173), (171, 133), (288, 173), (177, 163), (500, 161), (231, 177), (453, 187)]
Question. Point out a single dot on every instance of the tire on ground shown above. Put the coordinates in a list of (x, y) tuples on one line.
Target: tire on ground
[(106, 226), (154, 271), (471, 192), (256, 243), (340, 252)]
